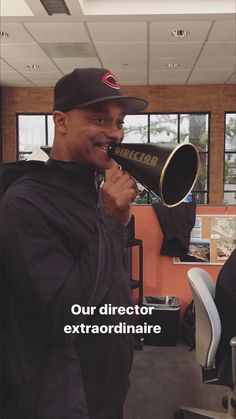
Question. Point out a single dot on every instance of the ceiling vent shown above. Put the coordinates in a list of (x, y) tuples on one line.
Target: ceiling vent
[(69, 49), (53, 7)]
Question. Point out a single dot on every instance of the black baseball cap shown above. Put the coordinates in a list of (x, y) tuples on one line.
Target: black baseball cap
[(88, 86)]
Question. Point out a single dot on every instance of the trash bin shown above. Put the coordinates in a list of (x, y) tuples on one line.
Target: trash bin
[(165, 313)]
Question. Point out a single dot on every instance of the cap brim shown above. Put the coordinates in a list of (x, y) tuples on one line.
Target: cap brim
[(131, 104)]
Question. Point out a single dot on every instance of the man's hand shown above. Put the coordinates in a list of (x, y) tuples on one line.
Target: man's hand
[(117, 194)]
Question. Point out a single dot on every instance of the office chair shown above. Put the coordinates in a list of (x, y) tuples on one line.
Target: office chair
[(208, 331)]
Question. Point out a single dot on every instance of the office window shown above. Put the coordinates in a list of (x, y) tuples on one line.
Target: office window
[(230, 159), (50, 130), (174, 129), (136, 128), (164, 128), (33, 131), (194, 128)]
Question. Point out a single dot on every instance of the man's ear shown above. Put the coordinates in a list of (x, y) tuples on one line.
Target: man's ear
[(59, 119)]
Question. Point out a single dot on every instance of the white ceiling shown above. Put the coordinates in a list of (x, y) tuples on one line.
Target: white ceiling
[(132, 38)]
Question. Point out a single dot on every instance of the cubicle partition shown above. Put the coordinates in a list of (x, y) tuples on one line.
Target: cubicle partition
[(164, 275)]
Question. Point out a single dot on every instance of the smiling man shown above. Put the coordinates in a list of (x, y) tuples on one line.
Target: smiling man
[(61, 247)]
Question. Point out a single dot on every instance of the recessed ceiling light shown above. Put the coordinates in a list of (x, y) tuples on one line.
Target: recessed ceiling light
[(32, 66), (172, 65), (180, 33), (4, 34)]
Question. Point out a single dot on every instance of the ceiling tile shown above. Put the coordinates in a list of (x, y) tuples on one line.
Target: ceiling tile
[(168, 77), (4, 67), (17, 33), (127, 77), (232, 79), (157, 63), (216, 62), (46, 76), (132, 64), (44, 83), (68, 64), (219, 49), (212, 76), (12, 8), (118, 31), (132, 54), (174, 50), (161, 31), (31, 51), (223, 30), (14, 79), (58, 32), (20, 64)]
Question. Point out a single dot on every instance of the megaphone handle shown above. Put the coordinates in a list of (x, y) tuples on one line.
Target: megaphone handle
[(141, 191)]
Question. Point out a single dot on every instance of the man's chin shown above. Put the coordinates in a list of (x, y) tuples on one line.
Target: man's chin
[(105, 165)]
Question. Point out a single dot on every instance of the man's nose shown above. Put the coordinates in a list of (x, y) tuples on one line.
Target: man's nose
[(115, 133)]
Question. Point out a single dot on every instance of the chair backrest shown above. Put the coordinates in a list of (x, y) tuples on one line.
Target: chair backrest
[(208, 325)]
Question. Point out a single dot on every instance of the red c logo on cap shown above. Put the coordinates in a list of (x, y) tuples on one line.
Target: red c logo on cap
[(110, 80)]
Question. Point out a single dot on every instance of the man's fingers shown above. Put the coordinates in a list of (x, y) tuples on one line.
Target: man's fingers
[(118, 192), (115, 176), (121, 179)]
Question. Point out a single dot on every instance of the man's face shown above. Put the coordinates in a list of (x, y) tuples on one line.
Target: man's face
[(90, 130)]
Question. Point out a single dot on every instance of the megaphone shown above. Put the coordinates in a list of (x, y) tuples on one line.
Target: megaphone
[(167, 170)]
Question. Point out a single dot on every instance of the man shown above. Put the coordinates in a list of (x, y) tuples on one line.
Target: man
[(225, 300), (61, 248)]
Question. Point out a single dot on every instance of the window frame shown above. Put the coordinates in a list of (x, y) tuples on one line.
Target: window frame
[(18, 114), (225, 191)]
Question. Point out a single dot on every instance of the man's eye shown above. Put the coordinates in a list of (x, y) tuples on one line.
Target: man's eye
[(100, 121)]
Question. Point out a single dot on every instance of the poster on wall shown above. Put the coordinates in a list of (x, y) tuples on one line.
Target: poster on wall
[(212, 240)]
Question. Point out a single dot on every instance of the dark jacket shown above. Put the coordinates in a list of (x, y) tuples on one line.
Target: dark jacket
[(176, 224), (59, 249), (225, 299)]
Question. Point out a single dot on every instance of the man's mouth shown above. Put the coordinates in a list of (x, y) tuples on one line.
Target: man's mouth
[(103, 146)]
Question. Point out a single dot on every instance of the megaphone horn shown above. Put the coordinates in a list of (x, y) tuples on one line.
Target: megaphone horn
[(167, 170)]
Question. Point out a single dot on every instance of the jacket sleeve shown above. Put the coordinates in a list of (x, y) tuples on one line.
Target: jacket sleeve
[(44, 274)]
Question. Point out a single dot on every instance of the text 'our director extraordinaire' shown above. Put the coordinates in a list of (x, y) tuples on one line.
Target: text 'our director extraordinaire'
[(110, 310)]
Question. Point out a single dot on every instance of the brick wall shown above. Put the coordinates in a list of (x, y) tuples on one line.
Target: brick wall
[(215, 99)]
